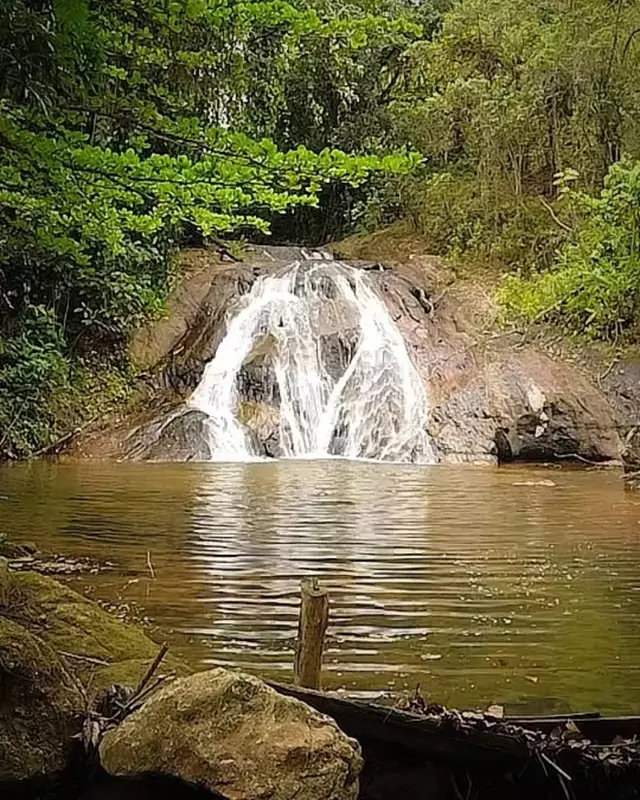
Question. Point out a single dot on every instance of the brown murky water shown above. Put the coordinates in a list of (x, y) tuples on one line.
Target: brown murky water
[(464, 580)]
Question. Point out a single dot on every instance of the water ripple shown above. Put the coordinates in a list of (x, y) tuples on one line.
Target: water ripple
[(458, 579)]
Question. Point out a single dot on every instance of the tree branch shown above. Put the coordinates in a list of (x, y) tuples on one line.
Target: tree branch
[(554, 216)]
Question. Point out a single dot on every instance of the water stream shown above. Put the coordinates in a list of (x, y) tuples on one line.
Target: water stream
[(336, 364)]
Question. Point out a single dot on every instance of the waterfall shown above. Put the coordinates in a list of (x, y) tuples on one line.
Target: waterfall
[(337, 369)]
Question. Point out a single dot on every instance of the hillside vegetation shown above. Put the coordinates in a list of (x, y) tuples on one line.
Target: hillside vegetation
[(507, 133)]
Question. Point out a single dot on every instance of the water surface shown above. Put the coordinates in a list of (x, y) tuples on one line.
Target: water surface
[(464, 580)]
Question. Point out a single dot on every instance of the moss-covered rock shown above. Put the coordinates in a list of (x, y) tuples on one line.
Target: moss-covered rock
[(5, 582), (83, 632), (57, 648), (10, 549), (234, 735), (40, 706)]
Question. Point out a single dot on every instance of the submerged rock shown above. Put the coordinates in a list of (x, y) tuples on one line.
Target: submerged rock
[(236, 736)]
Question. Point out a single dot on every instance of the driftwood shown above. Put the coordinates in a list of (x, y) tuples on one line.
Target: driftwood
[(404, 732), (119, 702), (550, 756)]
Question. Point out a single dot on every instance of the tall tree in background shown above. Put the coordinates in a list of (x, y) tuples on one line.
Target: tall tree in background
[(504, 98)]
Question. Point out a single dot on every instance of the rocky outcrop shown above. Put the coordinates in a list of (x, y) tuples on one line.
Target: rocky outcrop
[(494, 397), (53, 642), (237, 737)]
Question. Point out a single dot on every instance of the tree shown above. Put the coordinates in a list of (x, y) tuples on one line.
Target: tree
[(504, 98)]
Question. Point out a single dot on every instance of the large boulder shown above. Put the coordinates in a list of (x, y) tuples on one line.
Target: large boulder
[(234, 735), (182, 434)]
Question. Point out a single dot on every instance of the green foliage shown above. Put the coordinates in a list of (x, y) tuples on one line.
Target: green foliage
[(501, 100), (595, 287), (32, 371), (128, 126), (125, 125), (521, 90), (468, 220)]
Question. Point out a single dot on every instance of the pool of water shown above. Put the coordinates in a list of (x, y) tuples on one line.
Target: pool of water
[(483, 585)]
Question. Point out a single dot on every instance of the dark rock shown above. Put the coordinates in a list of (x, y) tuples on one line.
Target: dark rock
[(507, 445), (383, 779), (149, 789), (557, 431), (271, 446), (180, 435), (336, 351), (17, 549), (631, 459)]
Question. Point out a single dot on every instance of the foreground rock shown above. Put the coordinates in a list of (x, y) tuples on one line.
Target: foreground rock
[(41, 707), (53, 644), (236, 736)]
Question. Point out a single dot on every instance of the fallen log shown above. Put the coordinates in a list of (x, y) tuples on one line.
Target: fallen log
[(404, 732), (541, 756)]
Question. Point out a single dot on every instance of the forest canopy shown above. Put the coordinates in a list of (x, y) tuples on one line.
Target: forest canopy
[(508, 133)]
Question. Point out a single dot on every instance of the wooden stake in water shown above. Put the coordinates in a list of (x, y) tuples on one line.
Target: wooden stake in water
[(312, 626)]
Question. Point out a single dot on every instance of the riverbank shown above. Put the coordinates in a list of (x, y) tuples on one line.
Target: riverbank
[(112, 718)]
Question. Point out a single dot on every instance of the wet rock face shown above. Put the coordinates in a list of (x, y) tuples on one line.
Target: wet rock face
[(559, 430), (495, 401), (178, 435), (236, 736), (631, 459)]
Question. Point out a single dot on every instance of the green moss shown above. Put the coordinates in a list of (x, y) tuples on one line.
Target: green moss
[(70, 623), (40, 709), (52, 642)]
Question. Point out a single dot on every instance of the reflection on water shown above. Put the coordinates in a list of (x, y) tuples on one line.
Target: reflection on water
[(464, 580)]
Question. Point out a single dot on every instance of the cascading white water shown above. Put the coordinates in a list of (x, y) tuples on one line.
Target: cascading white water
[(373, 406)]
